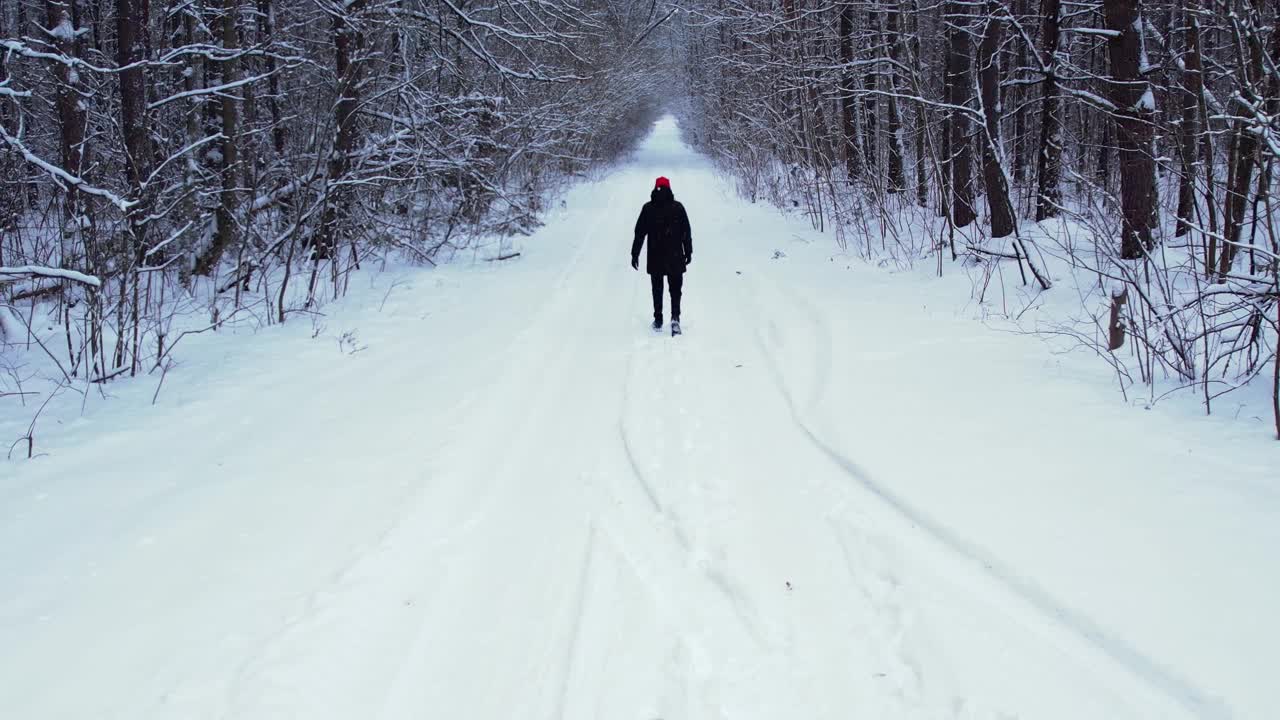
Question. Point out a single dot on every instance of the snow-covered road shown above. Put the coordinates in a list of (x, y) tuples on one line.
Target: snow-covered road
[(831, 498)]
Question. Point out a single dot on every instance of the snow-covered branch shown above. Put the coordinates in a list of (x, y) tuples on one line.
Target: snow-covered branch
[(49, 272)]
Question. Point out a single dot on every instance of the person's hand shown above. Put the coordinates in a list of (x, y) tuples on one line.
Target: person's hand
[(635, 262), (688, 258)]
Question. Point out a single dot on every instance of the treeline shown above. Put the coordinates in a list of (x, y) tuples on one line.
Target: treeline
[(249, 149), (1132, 143)]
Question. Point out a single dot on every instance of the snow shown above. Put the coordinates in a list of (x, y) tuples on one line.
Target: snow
[(6, 91), (1090, 97), (64, 31), (1101, 32), (23, 270), (61, 175), (12, 330), (1147, 102), (835, 495)]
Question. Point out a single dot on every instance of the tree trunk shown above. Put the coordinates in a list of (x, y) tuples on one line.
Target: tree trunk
[(71, 111), (870, 103), (225, 236), (959, 92), (1135, 119), (848, 110), (1102, 162), (1189, 124), (1243, 159), (1049, 159), (922, 128), (893, 36), (11, 203), (230, 127), (347, 44), (1115, 326), (992, 166), (192, 113), (131, 27), (21, 29), (266, 29), (1244, 153), (1021, 146), (1209, 164)]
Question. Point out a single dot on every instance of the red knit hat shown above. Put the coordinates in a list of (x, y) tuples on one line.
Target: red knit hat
[(662, 183)]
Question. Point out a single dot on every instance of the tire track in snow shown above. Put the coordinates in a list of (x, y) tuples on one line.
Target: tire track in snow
[(750, 639), (688, 550), (859, 549), (575, 620), (1025, 592), (703, 574), (638, 473), (552, 370)]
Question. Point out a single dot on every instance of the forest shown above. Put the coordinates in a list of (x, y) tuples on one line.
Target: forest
[(239, 158), (215, 157), (1126, 146)]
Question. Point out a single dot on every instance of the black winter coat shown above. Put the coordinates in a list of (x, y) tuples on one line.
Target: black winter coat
[(665, 223)]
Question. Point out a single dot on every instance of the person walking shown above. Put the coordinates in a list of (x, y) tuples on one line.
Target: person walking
[(666, 225)]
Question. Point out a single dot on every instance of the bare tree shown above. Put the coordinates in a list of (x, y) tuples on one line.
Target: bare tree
[(1134, 119), (848, 109), (993, 170), (897, 181), (959, 92), (1049, 158)]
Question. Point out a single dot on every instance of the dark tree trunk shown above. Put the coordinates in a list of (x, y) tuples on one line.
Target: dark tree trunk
[(266, 29), (1135, 113), (992, 170), (848, 109), (959, 93), (131, 28), (922, 127), (893, 36), (1244, 158), (225, 237), (195, 111), (1021, 144), (11, 202), (347, 44), (71, 113), (1210, 183), (870, 103), (1049, 159), (1189, 124), (4, 70), (922, 163), (1244, 153)]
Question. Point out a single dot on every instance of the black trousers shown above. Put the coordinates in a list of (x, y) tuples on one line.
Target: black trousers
[(677, 283)]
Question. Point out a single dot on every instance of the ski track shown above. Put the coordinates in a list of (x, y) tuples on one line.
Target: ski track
[(1026, 592), (584, 519)]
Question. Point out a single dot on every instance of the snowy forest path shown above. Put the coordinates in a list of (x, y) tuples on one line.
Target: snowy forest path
[(508, 498)]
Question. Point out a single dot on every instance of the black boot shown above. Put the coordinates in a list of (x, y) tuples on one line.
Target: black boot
[(657, 322)]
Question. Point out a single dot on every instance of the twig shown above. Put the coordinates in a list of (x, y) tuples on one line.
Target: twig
[(164, 372), (30, 437), (32, 333), (110, 374), (386, 295)]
